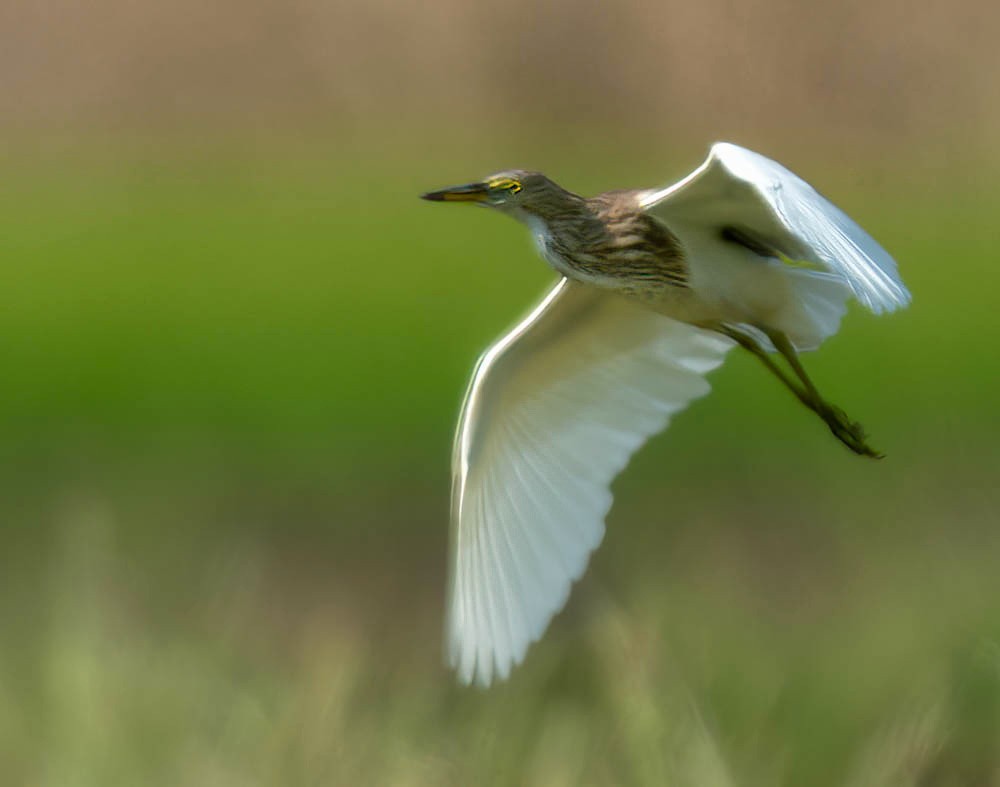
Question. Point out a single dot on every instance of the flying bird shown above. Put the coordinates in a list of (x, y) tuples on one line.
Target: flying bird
[(655, 287)]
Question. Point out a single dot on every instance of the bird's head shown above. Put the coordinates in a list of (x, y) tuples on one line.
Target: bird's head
[(517, 192)]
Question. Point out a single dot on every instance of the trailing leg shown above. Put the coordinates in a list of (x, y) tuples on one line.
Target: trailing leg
[(849, 432), (750, 344)]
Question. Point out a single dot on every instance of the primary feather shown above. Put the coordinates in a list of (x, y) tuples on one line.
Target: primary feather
[(739, 189), (554, 412)]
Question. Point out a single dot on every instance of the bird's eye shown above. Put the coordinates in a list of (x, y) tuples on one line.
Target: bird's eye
[(509, 185)]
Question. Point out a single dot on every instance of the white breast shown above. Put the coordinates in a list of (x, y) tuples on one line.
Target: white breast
[(540, 234)]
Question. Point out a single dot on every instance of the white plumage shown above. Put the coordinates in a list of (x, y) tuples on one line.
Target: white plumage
[(737, 187), (557, 407)]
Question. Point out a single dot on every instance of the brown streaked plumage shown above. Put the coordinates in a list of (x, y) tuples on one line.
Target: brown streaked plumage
[(635, 247), (608, 239)]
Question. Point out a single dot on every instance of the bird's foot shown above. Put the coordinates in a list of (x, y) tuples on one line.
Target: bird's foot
[(849, 432)]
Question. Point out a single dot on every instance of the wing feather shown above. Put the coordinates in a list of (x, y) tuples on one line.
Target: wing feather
[(553, 413), (736, 187)]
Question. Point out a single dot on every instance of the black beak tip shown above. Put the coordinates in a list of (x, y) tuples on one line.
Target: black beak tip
[(433, 196)]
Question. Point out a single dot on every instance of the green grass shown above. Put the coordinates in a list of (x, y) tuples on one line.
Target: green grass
[(706, 647), (227, 403)]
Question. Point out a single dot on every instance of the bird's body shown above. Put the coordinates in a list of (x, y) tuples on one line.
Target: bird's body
[(609, 241), (656, 286)]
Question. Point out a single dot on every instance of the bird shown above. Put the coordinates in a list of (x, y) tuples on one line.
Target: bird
[(655, 287)]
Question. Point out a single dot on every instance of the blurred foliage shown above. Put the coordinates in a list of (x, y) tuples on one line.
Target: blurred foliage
[(230, 379)]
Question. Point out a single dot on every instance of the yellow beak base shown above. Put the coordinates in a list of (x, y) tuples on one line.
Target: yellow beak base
[(473, 192)]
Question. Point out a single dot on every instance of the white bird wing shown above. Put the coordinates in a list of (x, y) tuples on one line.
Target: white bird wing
[(554, 411), (736, 187)]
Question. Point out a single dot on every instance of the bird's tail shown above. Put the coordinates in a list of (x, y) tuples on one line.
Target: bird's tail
[(817, 304)]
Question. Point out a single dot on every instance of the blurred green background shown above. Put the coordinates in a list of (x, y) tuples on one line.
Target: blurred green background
[(233, 344)]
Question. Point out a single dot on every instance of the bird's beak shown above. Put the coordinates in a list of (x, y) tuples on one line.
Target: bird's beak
[(473, 192)]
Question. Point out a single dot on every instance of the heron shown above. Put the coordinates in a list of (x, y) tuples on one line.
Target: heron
[(655, 287)]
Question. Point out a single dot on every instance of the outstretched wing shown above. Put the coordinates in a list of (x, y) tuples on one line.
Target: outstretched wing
[(738, 189), (554, 411)]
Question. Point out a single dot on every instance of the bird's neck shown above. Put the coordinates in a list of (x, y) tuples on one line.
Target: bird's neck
[(608, 241), (561, 229)]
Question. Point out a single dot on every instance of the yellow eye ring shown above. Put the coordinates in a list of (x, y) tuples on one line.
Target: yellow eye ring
[(506, 184)]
